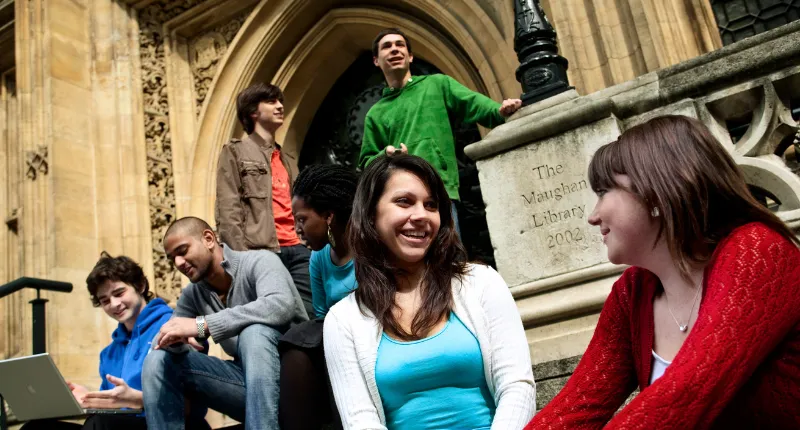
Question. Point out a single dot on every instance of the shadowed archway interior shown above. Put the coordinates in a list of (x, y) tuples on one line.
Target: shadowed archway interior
[(335, 133)]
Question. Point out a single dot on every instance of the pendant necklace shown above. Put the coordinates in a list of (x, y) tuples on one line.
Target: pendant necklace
[(684, 327)]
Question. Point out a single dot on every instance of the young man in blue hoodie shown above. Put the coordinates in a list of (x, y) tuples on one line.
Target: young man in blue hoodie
[(118, 286)]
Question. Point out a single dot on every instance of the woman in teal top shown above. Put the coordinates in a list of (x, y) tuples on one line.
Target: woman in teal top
[(448, 389), (329, 282), (322, 199), (427, 341)]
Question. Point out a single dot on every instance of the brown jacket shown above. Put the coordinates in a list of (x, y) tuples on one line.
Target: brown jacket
[(244, 194)]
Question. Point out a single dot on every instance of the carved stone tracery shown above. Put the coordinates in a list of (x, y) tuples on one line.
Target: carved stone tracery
[(157, 135), (36, 162), (206, 51)]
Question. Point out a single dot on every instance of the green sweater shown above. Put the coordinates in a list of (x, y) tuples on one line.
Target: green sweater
[(419, 116)]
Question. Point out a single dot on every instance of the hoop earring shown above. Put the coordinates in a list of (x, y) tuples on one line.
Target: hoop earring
[(330, 237), (655, 213)]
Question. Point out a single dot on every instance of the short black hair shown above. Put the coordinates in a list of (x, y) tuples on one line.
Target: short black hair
[(385, 32), (190, 225), (117, 269), (327, 188), (248, 100)]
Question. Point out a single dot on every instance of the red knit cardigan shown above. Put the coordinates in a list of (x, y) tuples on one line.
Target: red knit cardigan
[(738, 368)]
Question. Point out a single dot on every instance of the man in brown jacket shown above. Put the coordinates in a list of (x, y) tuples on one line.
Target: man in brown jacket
[(254, 187)]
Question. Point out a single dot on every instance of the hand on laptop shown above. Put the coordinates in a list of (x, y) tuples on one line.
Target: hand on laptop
[(121, 396), (178, 330), (78, 391)]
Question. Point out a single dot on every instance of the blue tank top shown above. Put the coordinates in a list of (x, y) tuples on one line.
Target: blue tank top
[(329, 282), (434, 383)]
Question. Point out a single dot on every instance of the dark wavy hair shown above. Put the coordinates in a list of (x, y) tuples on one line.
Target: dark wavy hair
[(446, 258), (327, 188), (675, 164), (117, 269), (248, 100)]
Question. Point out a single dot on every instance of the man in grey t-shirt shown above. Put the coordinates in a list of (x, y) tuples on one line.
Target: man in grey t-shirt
[(242, 300)]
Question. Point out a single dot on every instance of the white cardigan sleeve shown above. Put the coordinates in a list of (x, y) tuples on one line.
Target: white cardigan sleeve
[(347, 380), (515, 390)]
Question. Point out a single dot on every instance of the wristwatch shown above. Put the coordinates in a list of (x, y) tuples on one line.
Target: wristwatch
[(201, 327)]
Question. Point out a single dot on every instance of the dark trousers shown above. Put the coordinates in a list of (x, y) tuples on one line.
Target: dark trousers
[(295, 259), (94, 422), (454, 211)]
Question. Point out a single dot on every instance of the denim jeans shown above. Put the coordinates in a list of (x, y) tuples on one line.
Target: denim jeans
[(246, 389), (295, 259)]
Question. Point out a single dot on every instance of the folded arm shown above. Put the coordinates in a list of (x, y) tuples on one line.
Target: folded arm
[(274, 307)]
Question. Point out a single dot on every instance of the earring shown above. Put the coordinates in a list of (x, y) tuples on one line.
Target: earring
[(655, 212), (330, 237)]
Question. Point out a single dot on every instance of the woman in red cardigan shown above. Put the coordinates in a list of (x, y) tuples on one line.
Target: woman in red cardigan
[(707, 321)]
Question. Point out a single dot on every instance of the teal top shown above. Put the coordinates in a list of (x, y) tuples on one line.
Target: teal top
[(434, 383), (419, 115), (329, 282)]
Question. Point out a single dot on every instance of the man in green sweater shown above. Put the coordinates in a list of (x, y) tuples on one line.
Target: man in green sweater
[(413, 114)]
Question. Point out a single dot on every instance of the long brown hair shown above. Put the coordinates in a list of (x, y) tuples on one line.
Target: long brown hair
[(446, 258), (676, 165)]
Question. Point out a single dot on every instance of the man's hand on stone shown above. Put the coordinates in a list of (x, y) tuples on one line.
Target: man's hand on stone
[(177, 330), (391, 150), (510, 106)]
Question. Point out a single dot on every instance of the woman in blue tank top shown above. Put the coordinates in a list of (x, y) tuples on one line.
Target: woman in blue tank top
[(322, 199), (427, 341)]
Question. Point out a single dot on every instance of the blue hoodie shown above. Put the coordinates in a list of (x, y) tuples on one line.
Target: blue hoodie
[(125, 356)]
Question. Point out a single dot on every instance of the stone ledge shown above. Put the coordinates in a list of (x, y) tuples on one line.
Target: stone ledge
[(540, 125), (551, 377), (555, 369)]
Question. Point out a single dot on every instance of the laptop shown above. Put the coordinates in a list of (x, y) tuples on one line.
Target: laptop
[(35, 389)]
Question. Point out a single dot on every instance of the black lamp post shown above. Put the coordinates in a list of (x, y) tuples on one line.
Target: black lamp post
[(542, 72)]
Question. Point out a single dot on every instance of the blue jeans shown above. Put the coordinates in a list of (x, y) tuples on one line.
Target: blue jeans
[(246, 389)]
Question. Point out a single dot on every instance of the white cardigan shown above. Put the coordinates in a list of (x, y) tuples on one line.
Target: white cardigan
[(484, 304)]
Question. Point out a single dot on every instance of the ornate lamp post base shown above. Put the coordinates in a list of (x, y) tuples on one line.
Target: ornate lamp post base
[(542, 72)]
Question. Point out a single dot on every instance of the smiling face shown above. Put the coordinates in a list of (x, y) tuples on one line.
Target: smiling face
[(393, 55), (120, 301), (192, 256), (629, 231), (406, 219), (269, 114), (309, 225)]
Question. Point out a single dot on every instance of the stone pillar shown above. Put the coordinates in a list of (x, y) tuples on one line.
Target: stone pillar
[(546, 251), (608, 42), (84, 185)]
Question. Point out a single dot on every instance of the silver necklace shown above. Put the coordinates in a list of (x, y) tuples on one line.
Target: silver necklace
[(684, 327)]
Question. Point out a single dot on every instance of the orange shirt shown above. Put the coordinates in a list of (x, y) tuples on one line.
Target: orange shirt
[(282, 202)]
